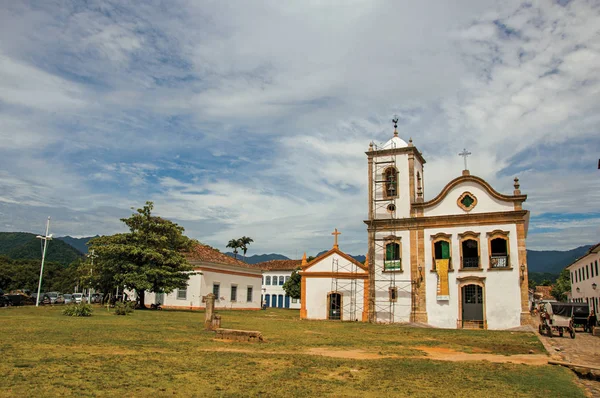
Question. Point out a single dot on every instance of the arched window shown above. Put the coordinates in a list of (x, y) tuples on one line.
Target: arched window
[(390, 178), (281, 280), (442, 249), (498, 248), (392, 257), (268, 280)]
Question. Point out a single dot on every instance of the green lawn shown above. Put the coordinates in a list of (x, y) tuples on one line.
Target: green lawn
[(167, 353)]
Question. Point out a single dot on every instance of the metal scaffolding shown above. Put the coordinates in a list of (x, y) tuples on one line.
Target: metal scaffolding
[(345, 281), (387, 290)]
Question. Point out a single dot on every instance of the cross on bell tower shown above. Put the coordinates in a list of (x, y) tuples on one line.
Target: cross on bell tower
[(335, 240)]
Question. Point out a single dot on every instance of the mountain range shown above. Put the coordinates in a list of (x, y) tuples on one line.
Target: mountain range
[(543, 264)]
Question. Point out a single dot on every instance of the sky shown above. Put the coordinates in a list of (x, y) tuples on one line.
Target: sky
[(252, 118)]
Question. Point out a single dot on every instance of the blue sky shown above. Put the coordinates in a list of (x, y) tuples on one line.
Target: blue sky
[(245, 118)]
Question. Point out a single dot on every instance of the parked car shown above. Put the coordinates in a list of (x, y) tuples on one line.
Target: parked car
[(55, 297), (68, 298), (79, 298), (97, 297)]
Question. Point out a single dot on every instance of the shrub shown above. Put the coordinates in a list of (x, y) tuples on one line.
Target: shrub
[(81, 309), (126, 308)]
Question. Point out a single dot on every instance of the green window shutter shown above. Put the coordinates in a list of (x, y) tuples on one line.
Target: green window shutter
[(445, 250), (389, 252)]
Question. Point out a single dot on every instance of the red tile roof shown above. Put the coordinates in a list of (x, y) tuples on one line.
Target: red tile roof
[(543, 292), (278, 265), (200, 252)]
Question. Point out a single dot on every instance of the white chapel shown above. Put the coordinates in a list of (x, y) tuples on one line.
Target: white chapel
[(457, 260)]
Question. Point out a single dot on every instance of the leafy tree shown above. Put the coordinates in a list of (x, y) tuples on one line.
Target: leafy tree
[(149, 258), (292, 285), (562, 286), (244, 242), (234, 244), (546, 282)]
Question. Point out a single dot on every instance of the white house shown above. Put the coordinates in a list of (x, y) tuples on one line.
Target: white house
[(585, 279), (236, 285), (274, 274)]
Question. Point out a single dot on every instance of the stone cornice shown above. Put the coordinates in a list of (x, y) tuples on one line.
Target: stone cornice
[(449, 220), (398, 151)]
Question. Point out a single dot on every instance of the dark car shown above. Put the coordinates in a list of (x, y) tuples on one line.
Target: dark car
[(4, 302)]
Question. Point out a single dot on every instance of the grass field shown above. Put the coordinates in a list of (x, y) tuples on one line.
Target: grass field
[(167, 353)]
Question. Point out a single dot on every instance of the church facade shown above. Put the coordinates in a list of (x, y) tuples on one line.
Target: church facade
[(455, 261)]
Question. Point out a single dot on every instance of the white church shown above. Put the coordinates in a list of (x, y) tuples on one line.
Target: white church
[(455, 261)]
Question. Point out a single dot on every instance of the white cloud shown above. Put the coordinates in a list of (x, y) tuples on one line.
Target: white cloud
[(253, 119)]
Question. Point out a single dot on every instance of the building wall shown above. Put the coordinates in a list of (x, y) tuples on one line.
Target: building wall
[(322, 282), (400, 310), (277, 289), (201, 285), (502, 287), (485, 202), (317, 301), (587, 266)]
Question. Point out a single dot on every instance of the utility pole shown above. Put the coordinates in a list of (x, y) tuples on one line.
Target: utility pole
[(92, 256), (45, 238)]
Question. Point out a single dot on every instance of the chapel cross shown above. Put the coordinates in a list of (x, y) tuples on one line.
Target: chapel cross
[(335, 241), (464, 154)]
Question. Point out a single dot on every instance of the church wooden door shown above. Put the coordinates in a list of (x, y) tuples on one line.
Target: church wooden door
[(472, 305)]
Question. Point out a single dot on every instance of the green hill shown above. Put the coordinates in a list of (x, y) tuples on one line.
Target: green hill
[(25, 246), (78, 243)]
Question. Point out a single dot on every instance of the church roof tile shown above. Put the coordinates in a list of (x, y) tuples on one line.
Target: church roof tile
[(200, 252), (279, 265)]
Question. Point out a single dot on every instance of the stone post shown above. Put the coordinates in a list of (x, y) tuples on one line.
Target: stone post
[(209, 312)]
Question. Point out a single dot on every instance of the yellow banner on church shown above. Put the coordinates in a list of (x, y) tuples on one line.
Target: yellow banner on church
[(443, 290)]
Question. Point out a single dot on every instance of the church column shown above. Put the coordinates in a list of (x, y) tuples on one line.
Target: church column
[(411, 177), (371, 197), (417, 258), (523, 274)]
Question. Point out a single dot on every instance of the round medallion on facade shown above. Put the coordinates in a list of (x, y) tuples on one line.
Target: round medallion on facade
[(467, 201)]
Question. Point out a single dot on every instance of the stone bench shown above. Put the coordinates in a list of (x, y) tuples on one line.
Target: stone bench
[(239, 335)]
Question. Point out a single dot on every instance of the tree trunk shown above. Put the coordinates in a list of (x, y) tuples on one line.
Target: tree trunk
[(141, 298)]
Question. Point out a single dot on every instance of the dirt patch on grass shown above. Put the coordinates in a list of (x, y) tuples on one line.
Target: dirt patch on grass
[(448, 354), (346, 354), (435, 353)]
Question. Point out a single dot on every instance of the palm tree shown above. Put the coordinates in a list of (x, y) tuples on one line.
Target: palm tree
[(234, 244), (244, 242)]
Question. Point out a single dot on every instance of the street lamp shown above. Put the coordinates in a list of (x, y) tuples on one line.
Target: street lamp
[(92, 256), (45, 238)]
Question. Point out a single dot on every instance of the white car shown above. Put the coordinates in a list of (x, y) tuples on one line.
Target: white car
[(79, 298)]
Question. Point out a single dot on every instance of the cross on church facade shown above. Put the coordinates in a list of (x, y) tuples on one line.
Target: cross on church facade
[(335, 241), (464, 154)]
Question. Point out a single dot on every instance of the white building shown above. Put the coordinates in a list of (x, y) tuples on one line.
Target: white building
[(585, 279), (455, 261), (236, 285), (274, 274), (334, 286)]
